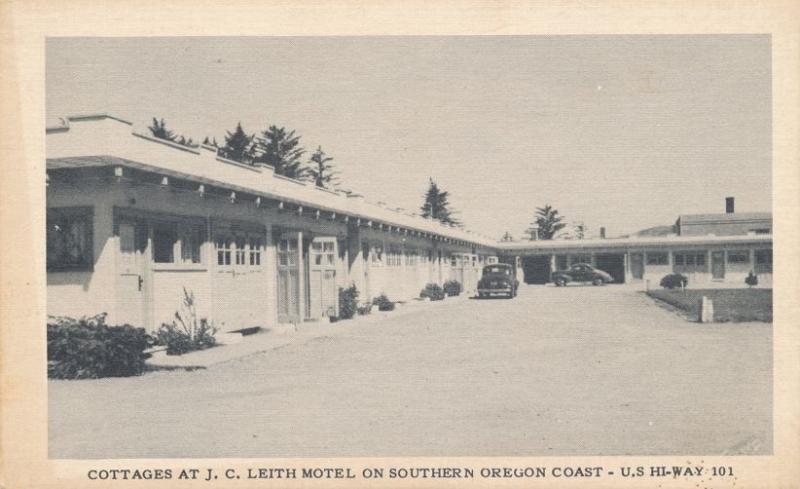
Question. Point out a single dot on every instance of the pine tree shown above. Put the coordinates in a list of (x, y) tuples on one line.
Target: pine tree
[(238, 145), (281, 149), (547, 223), (320, 170), (159, 130), (436, 205)]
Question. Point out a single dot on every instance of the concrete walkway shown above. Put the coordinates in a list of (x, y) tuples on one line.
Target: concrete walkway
[(282, 336)]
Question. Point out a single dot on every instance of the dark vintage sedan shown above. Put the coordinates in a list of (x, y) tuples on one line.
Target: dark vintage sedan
[(581, 272), (498, 279)]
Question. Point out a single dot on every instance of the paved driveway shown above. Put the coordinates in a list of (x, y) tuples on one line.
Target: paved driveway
[(567, 371)]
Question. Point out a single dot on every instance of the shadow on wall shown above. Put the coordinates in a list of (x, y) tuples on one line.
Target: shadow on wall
[(59, 278)]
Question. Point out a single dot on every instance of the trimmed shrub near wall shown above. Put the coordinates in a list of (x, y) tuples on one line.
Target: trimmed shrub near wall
[(751, 279), (383, 303), (674, 281), (433, 292), (187, 332), (452, 288), (87, 348), (348, 302)]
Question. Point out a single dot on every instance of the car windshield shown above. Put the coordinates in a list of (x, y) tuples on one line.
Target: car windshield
[(497, 270)]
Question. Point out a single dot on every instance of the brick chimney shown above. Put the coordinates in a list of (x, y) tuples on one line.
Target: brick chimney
[(602, 233), (728, 205)]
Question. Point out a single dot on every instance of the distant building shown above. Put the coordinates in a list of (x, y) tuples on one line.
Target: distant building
[(712, 250)]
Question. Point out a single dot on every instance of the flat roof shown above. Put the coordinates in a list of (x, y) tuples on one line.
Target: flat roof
[(101, 140)]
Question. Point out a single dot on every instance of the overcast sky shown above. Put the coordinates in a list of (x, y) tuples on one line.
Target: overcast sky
[(625, 132)]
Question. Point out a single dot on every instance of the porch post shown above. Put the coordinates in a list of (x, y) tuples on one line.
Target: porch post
[(301, 278), (271, 272)]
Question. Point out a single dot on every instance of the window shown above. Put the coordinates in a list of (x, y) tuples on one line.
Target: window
[(164, 238), (762, 231), (191, 239), (738, 257), (223, 246), (241, 252), (69, 238), (690, 261), (657, 259), (763, 260), (255, 252), (377, 255), (287, 252)]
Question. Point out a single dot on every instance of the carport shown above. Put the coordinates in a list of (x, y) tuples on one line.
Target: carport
[(536, 269), (613, 263)]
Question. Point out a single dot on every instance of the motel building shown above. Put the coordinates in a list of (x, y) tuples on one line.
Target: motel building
[(133, 220), (711, 250)]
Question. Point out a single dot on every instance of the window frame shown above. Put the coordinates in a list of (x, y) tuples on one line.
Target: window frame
[(71, 214), (657, 258), (736, 253)]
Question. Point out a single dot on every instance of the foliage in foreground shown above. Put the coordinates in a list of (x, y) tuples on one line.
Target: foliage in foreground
[(383, 303), (88, 348), (674, 281), (348, 302), (452, 288), (187, 332), (433, 292)]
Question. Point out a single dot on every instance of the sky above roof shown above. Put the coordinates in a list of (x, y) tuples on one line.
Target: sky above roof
[(625, 132)]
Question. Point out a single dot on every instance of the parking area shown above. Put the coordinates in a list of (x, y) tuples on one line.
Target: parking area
[(577, 370)]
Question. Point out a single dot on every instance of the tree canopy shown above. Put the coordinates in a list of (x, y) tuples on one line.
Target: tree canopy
[(320, 171), (159, 130), (238, 145), (547, 223), (436, 205), (281, 149)]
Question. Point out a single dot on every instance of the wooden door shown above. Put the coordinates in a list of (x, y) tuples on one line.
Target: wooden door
[(637, 265), (322, 278), (288, 280), (718, 264), (133, 279)]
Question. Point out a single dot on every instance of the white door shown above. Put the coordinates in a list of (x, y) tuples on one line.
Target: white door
[(133, 280), (322, 278)]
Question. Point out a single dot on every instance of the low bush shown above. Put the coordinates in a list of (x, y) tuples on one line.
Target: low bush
[(383, 303), (187, 332), (433, 292), (452, 288), (348, 302), (88, 348), (751, 279), (674, 281), (364, 309)]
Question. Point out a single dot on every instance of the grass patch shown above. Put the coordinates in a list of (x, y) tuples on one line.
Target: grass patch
[(730, 305)]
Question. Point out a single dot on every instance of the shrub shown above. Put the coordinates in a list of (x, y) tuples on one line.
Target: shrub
[(433, 292), (674, 281), (348, 302), (186, 333), (751, 279), (364, 309), (452, 288), (88, 348), (383, 303)]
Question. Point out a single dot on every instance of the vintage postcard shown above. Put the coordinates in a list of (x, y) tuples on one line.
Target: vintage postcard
[(464, 245)]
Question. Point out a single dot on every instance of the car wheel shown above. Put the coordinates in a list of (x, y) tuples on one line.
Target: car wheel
[(560, 282), (597, 281)]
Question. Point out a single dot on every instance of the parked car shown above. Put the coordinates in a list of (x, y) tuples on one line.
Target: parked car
[(498, 279), (581, 272)]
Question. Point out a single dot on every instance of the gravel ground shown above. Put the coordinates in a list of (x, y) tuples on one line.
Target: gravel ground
[(556, 371)]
